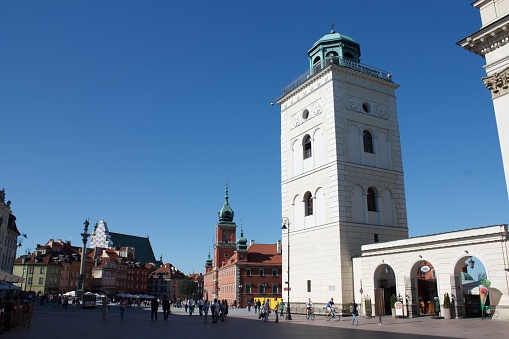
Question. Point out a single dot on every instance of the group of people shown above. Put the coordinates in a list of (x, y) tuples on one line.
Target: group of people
[(219, 308), (330, 309)]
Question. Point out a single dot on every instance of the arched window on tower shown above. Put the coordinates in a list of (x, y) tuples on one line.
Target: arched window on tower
[(332, 58), (348, 56), (368, 141), (307, 147), (308, 204), (371, 200), (317, 64)]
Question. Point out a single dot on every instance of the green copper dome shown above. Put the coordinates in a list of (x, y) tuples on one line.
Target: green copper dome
[(208, 262), (226, 212), (331, 48), (241, 242), (333, 37)]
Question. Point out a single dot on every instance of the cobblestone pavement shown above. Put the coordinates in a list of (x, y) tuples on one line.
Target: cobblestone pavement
[(52, 321)]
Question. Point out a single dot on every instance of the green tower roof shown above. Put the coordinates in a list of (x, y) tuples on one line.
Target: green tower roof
[(226, 212), (332, 37)]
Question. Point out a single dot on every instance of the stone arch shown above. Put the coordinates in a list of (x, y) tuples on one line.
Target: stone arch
[(318, 146), (319, 206), (424, 286), (465, 296), (298, 212), (358, 204), (384, 277), (387, 208), (297, 157), (370, 158), (354, 146), (383, 150)]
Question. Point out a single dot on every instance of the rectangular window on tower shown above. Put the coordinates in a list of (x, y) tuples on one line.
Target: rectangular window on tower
[(262, 272), (275, 288), (248, 289), (248, 271), (309, 285)]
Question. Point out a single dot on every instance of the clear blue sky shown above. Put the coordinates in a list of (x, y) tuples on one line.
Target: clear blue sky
[(135, 112)]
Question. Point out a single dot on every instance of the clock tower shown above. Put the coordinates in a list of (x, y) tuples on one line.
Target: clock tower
[(224, 246)]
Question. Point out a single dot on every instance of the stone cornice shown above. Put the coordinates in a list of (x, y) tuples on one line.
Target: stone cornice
[(488, 38), (497, 83)]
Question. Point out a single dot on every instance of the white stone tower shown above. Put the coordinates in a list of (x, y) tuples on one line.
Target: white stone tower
[(491, 43), (341, 169)]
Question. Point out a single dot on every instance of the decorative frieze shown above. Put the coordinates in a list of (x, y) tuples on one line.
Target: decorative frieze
[(366, 107), (306, 114), (497, 83)]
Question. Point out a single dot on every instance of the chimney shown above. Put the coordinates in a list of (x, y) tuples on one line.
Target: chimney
[(252, 242), (278, 246)]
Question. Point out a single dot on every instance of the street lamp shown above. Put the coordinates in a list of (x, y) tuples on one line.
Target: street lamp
[(81, 279), (287, 228), (23, 260)]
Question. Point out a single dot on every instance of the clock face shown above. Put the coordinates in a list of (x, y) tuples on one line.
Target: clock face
[(226, 233)]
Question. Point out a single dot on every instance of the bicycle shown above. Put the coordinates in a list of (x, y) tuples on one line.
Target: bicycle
[(311, 314), (332, 315)]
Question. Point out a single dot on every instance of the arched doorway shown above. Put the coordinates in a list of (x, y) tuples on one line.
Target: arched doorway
[(424, 281), (465, 287), (385, 286)]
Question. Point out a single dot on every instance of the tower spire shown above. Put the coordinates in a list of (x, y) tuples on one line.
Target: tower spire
[(226, 212)]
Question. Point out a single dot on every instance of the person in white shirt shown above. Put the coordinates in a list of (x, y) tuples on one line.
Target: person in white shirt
[(200, 306), (190, 304), (309, 305)]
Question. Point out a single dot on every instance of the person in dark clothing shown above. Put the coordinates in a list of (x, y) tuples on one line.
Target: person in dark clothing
[(166, 308), (154, 306)]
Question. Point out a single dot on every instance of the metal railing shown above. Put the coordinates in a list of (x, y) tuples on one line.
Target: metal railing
[(336, 61)]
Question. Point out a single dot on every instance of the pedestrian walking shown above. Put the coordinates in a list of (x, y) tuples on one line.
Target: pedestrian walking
[(276, 311), (215, 311), (122, 308), (105, 308), (249, 305), (265, 311), (222, 310), (200, 306), (154, 307), (190, 304), (281, 306), (355, 312), (166, 307), (206, 306)]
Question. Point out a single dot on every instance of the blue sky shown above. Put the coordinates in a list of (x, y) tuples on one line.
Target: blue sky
[(135, 112)]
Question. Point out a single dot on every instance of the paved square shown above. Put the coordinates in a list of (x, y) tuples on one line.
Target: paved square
[(52, 321)]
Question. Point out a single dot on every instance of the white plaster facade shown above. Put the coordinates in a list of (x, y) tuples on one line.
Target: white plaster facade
[(491, 43), (333, 108), (447, 252), (101, 236)]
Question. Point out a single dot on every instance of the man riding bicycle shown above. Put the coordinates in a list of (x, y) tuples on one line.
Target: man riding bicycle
[(309, 306), (329, 306)]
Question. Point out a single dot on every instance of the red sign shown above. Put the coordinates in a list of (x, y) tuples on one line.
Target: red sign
[(287, 289)]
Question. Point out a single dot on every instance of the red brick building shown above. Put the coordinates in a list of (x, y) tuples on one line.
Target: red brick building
[(239, 272)]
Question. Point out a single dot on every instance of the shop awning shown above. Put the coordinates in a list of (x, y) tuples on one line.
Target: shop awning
[(10, 278)]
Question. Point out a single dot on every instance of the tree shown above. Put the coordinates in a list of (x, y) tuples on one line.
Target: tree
[(188, 287)]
